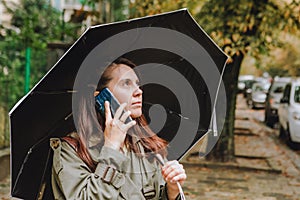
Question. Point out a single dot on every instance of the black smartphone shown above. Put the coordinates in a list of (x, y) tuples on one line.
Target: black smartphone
[(106, 95)]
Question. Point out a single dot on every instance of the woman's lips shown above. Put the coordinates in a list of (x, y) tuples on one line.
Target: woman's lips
[(138, 103)]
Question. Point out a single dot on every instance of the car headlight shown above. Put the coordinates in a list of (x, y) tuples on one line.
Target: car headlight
[(296, 116)]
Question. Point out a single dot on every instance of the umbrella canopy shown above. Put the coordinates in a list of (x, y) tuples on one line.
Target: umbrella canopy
[(180, 68)]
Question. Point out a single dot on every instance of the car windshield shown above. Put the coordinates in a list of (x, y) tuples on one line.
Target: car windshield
[(260, 87), (297, 94), (249, 83), (278, 87)]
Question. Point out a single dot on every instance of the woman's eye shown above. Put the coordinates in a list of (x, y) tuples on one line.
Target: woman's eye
[(127, 83), (130, 83)]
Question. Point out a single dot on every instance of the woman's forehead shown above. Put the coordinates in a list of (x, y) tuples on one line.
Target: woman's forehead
[(123, 72)]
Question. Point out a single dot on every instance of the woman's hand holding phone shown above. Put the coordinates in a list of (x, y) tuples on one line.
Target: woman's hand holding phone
[(115, 127)]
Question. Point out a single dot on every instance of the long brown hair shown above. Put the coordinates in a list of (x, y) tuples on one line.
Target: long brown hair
[(89, 123)]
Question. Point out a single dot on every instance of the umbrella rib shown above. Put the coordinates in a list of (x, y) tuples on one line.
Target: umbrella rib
[(55, 92), (40, 194), (21, 169)]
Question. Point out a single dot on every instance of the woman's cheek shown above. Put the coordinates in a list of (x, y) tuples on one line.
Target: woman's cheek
[(123, 98)]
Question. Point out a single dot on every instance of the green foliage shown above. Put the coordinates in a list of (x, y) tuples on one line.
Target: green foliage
[(141, 8), (10, 63), (284, 62), (249, 26), (34, 24), (119, 7), (116, 12)]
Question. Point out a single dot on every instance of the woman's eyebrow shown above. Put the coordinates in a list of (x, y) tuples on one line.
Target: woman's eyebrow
[(126, 79), (130, 79)]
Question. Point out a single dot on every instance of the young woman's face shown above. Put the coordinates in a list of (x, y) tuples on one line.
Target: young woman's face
[(125, 87)]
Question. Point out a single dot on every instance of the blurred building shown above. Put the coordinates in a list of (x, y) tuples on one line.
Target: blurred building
[(74, 11), (5, 17), (104, 11)]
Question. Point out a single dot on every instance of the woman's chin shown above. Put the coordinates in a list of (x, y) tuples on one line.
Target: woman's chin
[(135, 114)]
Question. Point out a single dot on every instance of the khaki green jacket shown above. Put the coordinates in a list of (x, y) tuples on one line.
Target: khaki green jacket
[(117, 175)]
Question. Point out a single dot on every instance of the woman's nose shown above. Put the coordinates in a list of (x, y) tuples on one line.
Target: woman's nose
[(137, 91)]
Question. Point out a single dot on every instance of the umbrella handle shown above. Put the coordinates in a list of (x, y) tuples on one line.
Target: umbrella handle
[(161, 162)]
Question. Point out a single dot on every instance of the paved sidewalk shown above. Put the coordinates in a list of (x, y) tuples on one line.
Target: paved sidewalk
[(265, 168), (5, 188), (235, 184)]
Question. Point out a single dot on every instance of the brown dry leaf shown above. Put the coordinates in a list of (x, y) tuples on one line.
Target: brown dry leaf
[(246, 177), (205, 169)]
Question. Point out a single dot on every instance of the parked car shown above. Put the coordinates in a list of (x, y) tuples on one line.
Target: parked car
[(273, 100), (243, 79), (257, 97), (289, 113), (248, 88)]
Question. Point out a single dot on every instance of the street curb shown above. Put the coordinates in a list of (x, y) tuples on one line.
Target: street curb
[(219, 165)]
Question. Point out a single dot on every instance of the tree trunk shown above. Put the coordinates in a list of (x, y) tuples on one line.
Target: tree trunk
[(224, 148)]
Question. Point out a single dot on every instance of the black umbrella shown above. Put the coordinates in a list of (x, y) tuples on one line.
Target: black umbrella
[(180, 69)]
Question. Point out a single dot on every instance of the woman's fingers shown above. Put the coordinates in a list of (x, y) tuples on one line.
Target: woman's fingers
[(170, 166), (120, 111), (180, 176), (173, 171), (120, 117), (125, 116), (125, 127), (129, 125), (107, 111)]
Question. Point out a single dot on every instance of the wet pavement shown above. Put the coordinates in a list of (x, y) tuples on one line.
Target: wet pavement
[(235, 184), (265, 168), (5, 188)]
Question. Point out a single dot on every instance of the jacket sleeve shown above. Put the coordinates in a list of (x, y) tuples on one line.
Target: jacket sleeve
[(164, 193), (76, 181)]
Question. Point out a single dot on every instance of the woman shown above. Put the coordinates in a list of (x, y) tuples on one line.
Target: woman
[(110, 159)]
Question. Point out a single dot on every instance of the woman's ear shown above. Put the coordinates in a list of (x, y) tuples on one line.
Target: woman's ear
[(96, 93)]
